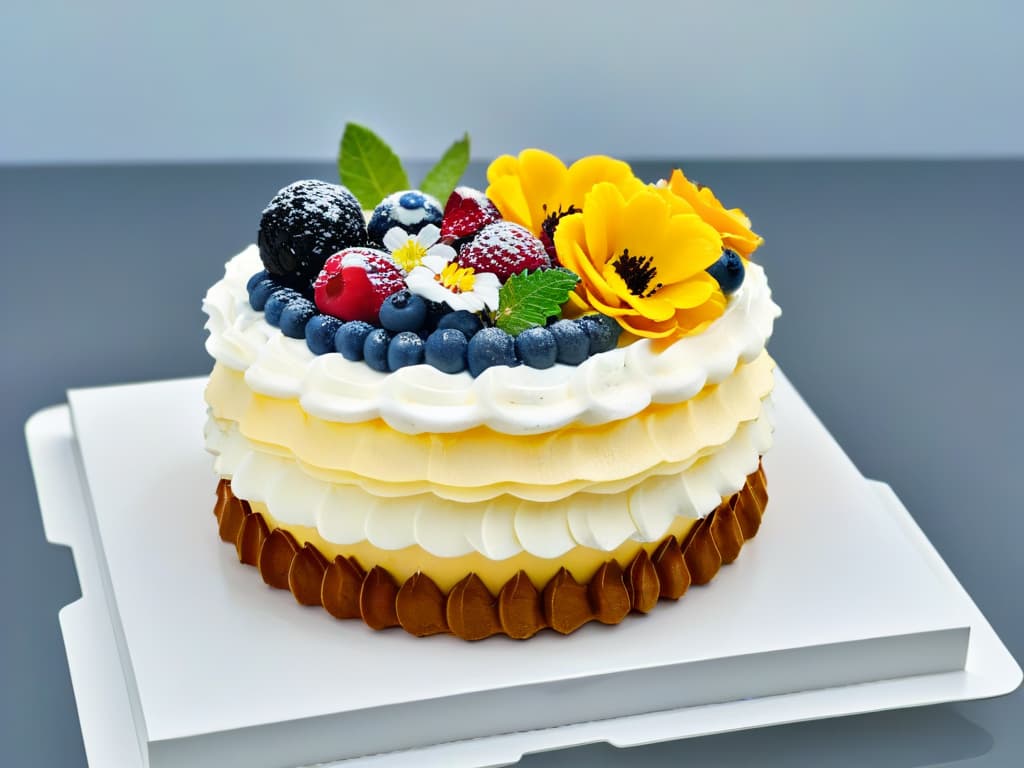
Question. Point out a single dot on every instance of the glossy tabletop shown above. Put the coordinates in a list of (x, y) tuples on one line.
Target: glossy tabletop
[(902, 322)]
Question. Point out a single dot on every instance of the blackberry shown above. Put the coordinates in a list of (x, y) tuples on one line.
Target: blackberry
[(306, 222)]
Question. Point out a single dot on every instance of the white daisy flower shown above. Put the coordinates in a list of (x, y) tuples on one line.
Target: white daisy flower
[(408, 251), (442, 280)]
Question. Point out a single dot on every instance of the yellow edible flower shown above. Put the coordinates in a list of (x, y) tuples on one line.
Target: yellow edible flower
[(732, 224), (642, 261), (536, 190)]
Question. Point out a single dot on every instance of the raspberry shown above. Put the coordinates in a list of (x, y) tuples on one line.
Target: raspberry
[(505, 249), (354, 283), (467, 211)]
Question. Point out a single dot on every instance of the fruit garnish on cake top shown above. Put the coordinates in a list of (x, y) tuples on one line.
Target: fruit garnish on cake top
[(550, 265)]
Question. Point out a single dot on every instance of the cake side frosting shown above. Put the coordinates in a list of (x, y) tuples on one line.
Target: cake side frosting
[(480, 464), (499, 527)]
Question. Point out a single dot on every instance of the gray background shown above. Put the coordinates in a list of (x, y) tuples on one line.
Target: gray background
[(900, 283), (264, 79)]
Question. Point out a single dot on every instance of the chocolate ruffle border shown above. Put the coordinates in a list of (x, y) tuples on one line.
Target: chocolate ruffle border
[(469, 610)]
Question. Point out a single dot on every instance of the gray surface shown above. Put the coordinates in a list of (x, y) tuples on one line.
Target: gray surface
[(901, 326)]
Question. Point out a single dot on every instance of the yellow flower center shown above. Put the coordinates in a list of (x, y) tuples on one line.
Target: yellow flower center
[(409, 255), (637, 272), (456, 279)]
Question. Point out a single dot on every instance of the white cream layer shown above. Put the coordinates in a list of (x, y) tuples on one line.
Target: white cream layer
[(498, 528), (519, 401)]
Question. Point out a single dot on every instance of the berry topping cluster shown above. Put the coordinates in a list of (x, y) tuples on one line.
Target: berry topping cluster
[(363, 304), (386, 275)]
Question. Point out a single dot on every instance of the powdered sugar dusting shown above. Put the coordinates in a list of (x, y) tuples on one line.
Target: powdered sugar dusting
[(506, 249)]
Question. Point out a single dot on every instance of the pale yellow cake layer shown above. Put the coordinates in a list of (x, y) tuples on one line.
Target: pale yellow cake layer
[(661, 439), (581, 562)]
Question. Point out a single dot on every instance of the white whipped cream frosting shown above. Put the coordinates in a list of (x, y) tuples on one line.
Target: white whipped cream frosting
[(518, 401), (500, 527)]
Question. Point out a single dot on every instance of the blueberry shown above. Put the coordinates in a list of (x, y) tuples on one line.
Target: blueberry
[(461, 320), (261, 291), (728, 271), (412, 200), (320, 331), (350, 337), (536, 347), (446, 350), (403, 311), (573, 342), (491, 346), (278, 300), (294, 317), (375, 349), (435, 311), (261, 275), (410, 210), (602, 331), (405, 348), (304, 224)]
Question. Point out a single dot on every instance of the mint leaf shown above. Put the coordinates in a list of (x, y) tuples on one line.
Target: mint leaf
[(530, 298), (444, 177), (368, 166)]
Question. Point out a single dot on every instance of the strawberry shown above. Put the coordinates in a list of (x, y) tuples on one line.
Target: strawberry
[(505, 249), (354, 283), (467, 211)]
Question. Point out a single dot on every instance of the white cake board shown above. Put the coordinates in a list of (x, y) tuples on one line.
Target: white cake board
[(180, 656)]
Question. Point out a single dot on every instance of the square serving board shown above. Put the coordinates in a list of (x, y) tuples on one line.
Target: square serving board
[(180, 656)]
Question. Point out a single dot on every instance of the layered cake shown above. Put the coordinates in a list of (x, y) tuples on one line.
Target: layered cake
[(494, 411)]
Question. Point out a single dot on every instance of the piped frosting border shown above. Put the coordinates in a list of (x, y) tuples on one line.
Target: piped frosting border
[(519, 401), (498, 528)]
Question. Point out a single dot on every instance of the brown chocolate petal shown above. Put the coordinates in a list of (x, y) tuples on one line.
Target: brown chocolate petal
[(224, 497), (276, 558), (757, 484), (608, 594), (747, 514), (725, 530), (566, 607), (701, 553), (642, 583), (339, 592), (420, 606), (231, 517), (306, 575), (519, 608), (671, 567), (472, 611), (250, 540), (377, 599)]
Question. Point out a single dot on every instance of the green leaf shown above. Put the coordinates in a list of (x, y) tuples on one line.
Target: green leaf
[(530, 298), (444, 177), (368, 166)]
